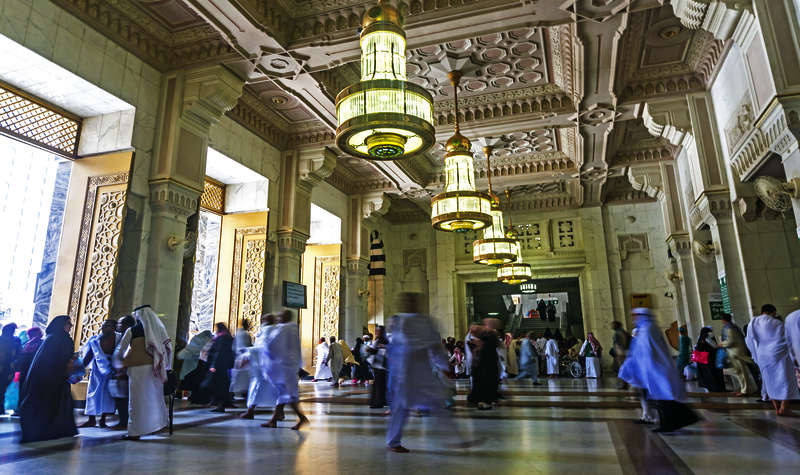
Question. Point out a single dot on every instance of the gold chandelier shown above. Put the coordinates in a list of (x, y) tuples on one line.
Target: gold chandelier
[(384, 117), (515, 272), (495, 248), (460, 207)]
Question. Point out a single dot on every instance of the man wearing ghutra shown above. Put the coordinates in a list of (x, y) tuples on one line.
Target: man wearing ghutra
[(147, 354)]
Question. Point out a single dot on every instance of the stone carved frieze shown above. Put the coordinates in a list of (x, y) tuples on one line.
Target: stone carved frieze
[(630, 243), (739, 124), (98, 249)]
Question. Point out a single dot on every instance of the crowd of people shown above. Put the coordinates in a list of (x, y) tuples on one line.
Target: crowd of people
[(406, 364)]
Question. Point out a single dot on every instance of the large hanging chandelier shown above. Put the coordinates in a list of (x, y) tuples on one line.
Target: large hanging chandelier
[(515, 272), (384, 117), (495, 248), (460, 207)]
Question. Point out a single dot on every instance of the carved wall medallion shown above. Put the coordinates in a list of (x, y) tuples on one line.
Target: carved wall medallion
[(739, 124), (636, 242)]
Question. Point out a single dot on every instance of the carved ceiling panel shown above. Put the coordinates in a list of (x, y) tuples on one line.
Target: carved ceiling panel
[(494, 62), (173, 14)]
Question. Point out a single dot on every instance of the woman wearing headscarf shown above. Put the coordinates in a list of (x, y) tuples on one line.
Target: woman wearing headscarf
[(649, 367), (684, 348), (592, 350), (220, 361), (29, 349), (147, 355), (485, 364), (10, 348), (46, 408), (708, 375)]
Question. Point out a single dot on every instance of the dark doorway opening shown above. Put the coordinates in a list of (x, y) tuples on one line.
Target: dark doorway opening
[(526, 307)]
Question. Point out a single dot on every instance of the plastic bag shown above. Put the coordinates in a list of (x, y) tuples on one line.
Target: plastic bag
[(12, 394)]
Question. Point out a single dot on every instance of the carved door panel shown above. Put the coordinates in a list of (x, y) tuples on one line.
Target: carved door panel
[(240, 278), (88, 255), (322, 270)]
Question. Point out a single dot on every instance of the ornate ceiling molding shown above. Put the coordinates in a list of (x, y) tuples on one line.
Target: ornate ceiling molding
[(724, 19)]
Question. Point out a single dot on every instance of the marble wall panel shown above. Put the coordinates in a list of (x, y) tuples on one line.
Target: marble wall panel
[(246, 197)]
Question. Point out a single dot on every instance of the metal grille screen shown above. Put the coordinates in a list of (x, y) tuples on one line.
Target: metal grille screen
[(25, 119)]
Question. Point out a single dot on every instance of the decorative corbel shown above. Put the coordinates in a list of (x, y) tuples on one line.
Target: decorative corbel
[(723, 19), (315, 164), (374, 204), (668, 120), (647, 179), (210, 92)]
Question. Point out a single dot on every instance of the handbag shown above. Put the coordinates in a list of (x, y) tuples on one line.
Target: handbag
[(700, 357), (137, 355)]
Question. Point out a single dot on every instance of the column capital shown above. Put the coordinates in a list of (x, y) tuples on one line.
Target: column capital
[(314, 165), (356, 265), (169, 196), (209, 92), (667, 119), (374, 205), (291, 240), (713, 206), (680, 244)]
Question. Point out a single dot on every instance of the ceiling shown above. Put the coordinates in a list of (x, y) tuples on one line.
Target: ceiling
[(552, 85)]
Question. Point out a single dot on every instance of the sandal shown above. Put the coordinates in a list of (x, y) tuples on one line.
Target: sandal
[(270, 424), (300, 423)]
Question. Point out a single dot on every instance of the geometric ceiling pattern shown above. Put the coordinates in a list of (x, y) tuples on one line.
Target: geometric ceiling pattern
[(551, 85)]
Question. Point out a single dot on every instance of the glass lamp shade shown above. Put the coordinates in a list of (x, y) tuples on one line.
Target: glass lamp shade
[(494, 249), (384, 117), (515, 272), (460, 207)]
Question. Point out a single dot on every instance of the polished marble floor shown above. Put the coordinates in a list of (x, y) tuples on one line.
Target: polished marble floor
[(564, 426)]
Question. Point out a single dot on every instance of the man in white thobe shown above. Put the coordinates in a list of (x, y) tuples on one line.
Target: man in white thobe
[(285, 359), (551, 352), (335, 360), (323, 370), (766, 338), (260, 392), (792, 326), (147, 354)]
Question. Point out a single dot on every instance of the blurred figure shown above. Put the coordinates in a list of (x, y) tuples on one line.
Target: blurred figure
[(147, 355), (415, 348), (457, 362), (348, 360), (191, 374), (485, 364), (708, 375), (528, 360), (360, 369), (220, 361), (592, 350), (684, 348), (767, 341), (376, 351), (732, 340), (283, 350), (551, 352), (243, 340), (620, 340), (792, 326), (261, 392), (97, 353), (335, 361), (649, 367), (46, 406), (323, 370), (10, 347), (512, 360)]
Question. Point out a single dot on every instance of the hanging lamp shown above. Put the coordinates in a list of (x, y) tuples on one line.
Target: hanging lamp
[(460, 207), (495, 248), (384, 117), (515, 272)]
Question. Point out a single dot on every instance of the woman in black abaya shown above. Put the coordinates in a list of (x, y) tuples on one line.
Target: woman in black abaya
[(46, 409)]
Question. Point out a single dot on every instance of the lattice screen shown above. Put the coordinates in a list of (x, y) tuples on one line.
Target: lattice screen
[(36, 123), (213, 197)]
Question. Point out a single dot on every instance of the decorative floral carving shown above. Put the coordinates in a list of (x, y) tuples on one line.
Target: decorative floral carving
[(247, 283), (739, 124)]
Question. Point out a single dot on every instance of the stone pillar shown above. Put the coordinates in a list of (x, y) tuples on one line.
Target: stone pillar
[(192, 101), (355, 298), (442, 286)]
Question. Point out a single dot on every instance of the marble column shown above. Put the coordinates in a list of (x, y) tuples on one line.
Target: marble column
[(355, 299), (689, 297), (170, 205)]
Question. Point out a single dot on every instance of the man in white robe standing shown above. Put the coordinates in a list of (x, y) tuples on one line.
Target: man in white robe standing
[(147, 354), (323, 370), (99, 401), (260, 392), (335, 360), (285, 359), (551, 352), (792, 326), (766, 338)]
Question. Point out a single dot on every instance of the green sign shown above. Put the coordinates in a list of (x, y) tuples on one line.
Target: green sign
[(726, 298)]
